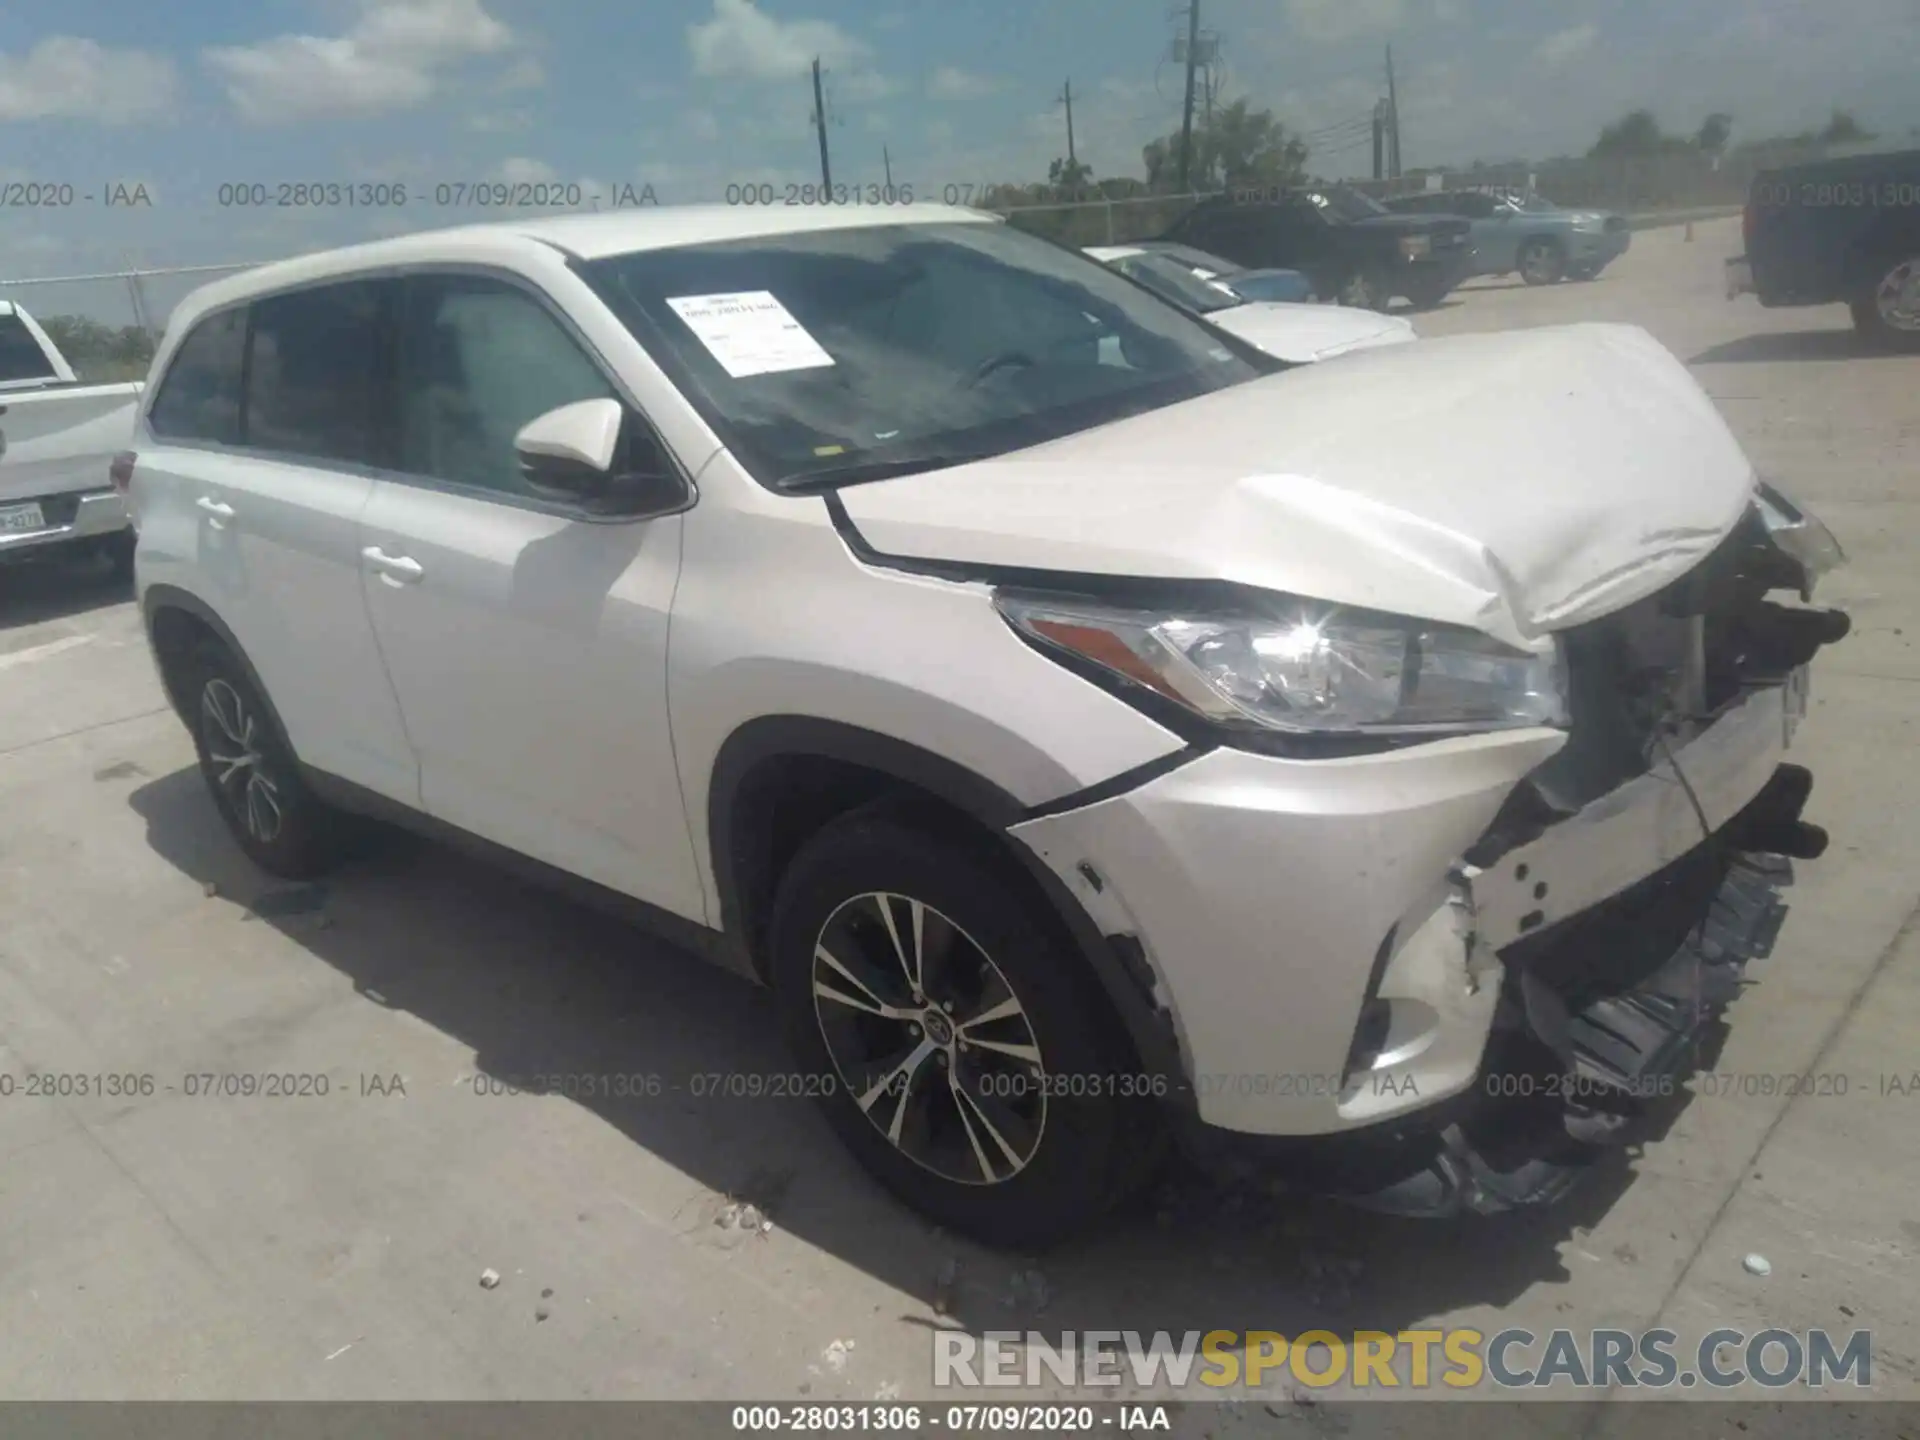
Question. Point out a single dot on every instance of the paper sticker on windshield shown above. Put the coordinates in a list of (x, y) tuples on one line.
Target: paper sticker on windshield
[(750, 333)]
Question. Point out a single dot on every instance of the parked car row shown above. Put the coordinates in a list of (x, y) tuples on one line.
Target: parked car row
[(1301, 333), (1097, 730)]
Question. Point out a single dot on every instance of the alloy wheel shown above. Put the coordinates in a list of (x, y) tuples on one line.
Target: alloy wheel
[(929, 1038), (1539, 264), (1897, 297), (229, 730)]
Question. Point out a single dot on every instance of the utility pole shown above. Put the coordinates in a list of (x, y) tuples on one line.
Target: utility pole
[(820, 124), (1186, 113), (1066, 98), (1379, 139), (886, 159), (1393, 121)]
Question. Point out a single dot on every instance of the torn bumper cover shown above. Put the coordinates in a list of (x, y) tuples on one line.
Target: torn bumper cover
[(1617, 937)]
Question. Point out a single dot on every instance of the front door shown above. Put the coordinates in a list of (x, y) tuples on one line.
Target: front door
[(527, 642)]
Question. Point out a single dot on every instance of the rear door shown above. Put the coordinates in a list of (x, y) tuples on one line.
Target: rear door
[(1494, 232), (527, 639), (267, 425)]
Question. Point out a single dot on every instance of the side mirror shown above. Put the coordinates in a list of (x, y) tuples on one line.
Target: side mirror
[(588, 454)]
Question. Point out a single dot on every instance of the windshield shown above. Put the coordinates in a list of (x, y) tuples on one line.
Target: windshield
[(1349, 204), (1213, 266), (837, 355), (1174, 281)]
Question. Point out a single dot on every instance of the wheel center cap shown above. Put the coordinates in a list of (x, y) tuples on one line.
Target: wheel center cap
[(939, 1027)]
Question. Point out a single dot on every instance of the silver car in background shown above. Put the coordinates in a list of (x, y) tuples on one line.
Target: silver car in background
[(1544, 242)]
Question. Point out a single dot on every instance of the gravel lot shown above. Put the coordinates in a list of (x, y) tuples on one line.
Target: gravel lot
[(332, 1246)]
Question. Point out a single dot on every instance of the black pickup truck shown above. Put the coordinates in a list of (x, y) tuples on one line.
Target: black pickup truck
[(1351, 247), (1838, 232)]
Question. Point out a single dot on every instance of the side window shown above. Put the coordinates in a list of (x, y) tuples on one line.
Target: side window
[(21, 357), (1475, 207), (479, 358), (199, 396), (314, 372)]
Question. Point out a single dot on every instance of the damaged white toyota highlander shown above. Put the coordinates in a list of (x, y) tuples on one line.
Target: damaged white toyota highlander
[(1094, 730)]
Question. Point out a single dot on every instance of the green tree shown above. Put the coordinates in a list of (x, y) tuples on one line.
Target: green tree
[(1241, 147), (1843, 129), (1633, 135), (1714, 133), (1070, 178)]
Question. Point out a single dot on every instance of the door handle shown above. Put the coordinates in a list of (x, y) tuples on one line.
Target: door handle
[(217, 511), (395, 569)]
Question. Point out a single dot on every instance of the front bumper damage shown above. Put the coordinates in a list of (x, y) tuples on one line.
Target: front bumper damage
[(1611, 907)]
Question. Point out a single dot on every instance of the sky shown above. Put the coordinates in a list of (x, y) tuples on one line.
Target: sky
[(692, 96)]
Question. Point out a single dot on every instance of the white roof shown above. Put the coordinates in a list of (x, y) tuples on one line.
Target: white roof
[(590, 237), (1107, 254)]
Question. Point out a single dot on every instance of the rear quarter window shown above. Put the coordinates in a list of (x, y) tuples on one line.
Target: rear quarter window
[(21, 357), (199, 396)]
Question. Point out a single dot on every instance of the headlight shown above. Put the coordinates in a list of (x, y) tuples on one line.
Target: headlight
[(1308, 669), (1415, 247), (1799, 534)]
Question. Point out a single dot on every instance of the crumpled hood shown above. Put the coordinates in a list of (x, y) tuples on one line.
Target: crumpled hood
[(1520, 483), (1305, 333)]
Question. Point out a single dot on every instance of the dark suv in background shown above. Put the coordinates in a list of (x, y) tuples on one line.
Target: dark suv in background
[(1351, 247), (1838, 232)]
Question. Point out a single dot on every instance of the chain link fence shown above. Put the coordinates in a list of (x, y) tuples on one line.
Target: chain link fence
[(107, 324)]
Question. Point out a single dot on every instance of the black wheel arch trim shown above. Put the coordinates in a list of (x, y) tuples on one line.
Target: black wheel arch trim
[(1111, 959), (160, 598)]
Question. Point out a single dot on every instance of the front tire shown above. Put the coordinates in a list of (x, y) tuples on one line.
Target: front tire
[(255, 781), (1887, 312), (960, 1048), (1365, 290)]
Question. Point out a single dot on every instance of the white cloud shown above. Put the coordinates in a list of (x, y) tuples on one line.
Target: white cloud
[(522, 170), (71, 78), (1563, 45), (1333, 20), (950, 82), (525, 73), (702, 124), (391, 58), (863, 87), (743, 40), (500, 122)]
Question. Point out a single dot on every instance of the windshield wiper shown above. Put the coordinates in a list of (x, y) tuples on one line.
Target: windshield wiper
[(859, 472)]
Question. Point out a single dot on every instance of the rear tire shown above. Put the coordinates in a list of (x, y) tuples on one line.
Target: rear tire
[(999, 1103), (251, 772), (1887, 311), (1542, 262), (118, 553)]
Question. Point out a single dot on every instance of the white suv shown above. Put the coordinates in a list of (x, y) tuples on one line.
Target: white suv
[(1091, 728)]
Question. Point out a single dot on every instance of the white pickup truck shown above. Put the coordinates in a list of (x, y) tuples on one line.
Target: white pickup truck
[(58, 438)]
